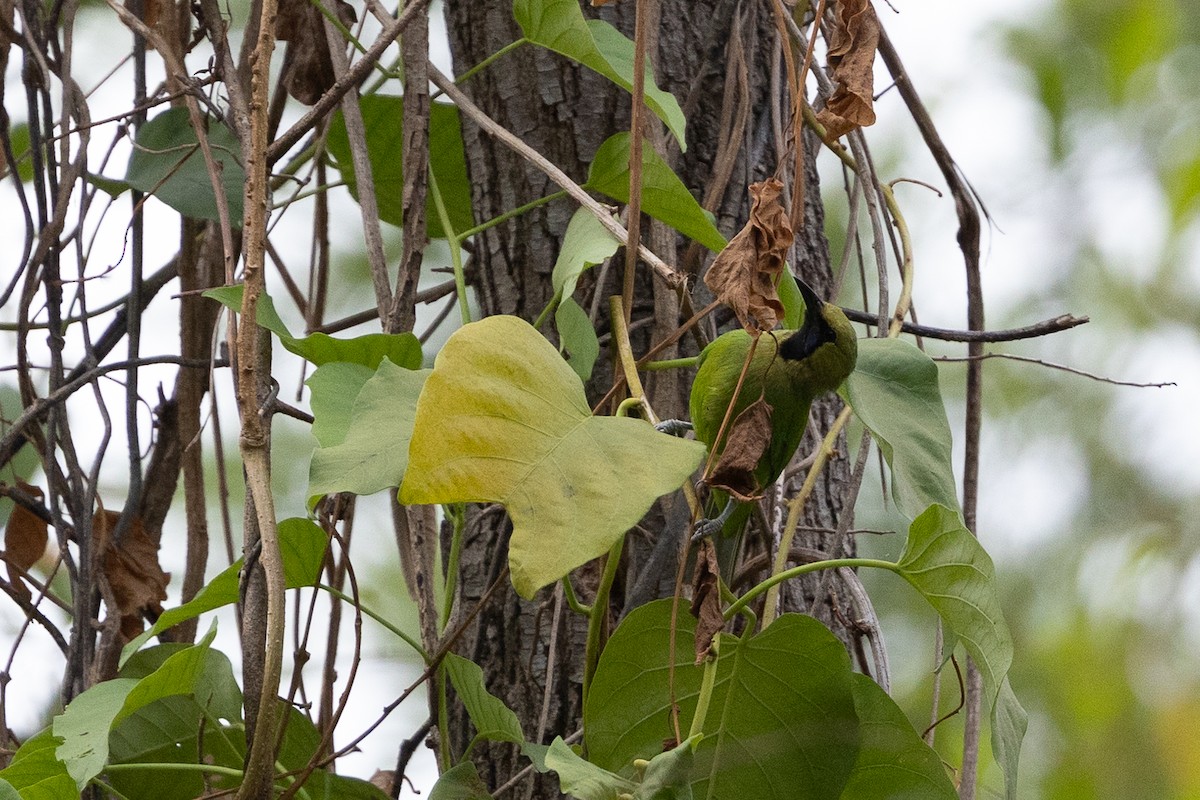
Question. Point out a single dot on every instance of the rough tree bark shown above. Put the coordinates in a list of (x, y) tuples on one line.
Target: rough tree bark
[(566, 112)]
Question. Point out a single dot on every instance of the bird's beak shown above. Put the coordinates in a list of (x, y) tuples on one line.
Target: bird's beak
[(812, 303)]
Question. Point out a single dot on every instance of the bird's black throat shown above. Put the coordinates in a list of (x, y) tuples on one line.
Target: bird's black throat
[(813, 332)]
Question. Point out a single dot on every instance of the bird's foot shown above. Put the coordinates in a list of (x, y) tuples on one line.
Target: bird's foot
[(706, 528), (673, 427)]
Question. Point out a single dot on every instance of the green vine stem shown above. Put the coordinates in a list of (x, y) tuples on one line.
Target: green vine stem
[(455, 242), (745, 600), (487, 62), (408, 640), (707, 681), (457, 516), (796, 506)]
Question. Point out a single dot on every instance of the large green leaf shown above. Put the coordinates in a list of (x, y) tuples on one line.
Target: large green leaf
[(374, 452), (664, 195), (167, 162), (492, 719), (302, 547), (168, 731), (893, 761), (559, 25), (85, 725), (502, 418), (949, 567), (403, 349), (37, 773), (781, 724), (894, 391), (585, 244), (382, 118)]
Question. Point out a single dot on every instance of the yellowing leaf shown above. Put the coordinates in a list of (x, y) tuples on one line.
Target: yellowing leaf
[(502, 418)]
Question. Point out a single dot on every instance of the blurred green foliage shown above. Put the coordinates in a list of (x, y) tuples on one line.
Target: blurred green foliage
[(1098, 545)]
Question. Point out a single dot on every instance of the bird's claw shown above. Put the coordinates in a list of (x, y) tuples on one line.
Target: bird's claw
[(673, 427), (706, 528)]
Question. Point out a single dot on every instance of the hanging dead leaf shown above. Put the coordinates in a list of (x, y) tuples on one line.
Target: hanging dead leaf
[(137, 581), (706, 599), (748, 438), (25, 539), (851, 60), (743, 275), (307, 67)]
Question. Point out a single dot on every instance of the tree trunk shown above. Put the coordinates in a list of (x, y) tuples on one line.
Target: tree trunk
[(565, 112)]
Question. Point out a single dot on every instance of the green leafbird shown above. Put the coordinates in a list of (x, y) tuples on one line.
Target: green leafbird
[(790, 369)]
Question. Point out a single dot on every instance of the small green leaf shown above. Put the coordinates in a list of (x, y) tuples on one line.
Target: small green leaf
[(19, 136), (893, 761), (577, 337), (664, 196), (167, 163), (8, 791), (492, 719), (668, 775), (110, 186), (460, 782), (951, 569), (302, 546), (1009, 722), (559, 25), (793, 301), (585, 244), (383, 116), (374, 453), (894, 391), (503, 419), (369, 350), (583, 779), (333, 388), (37, 773)]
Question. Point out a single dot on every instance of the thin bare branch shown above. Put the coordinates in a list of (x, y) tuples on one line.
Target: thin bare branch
[(1062, 367)]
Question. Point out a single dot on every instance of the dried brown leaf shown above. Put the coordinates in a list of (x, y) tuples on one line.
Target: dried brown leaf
[(307, 67), (138, 583), (743, 275), (706, 599), (851, 60), (25, 540), (749, 436)]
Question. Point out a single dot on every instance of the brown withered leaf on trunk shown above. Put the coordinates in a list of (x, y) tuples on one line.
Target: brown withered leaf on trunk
[(307, 68), (706, 599), (137, 581), (25, 539), (743, 275), (748, 438), (852, 60)]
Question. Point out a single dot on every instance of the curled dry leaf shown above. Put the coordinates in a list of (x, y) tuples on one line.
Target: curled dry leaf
[(137, 581), (706, 599), (743, 275), (307, 67), (25, 539), (851, 60), (748, 438)]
